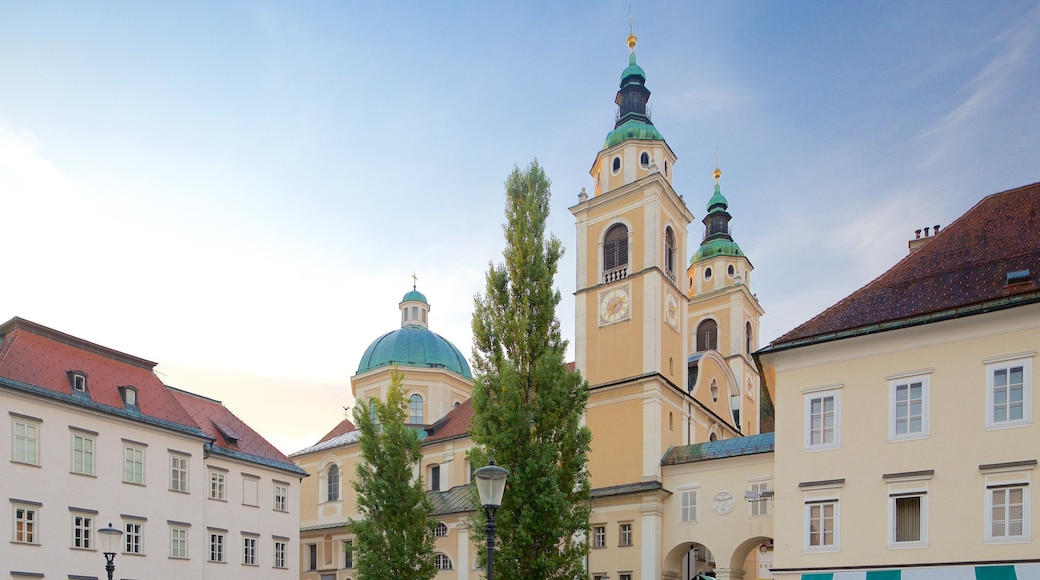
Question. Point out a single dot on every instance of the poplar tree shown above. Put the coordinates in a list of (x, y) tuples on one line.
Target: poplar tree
[(527, 405), (394, 538)]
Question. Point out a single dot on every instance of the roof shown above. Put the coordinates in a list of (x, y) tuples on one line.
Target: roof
[(962, 271), (414, 295), (414, 346), (632, 129), (347, 438), (632, 69), (716, 247), (735, 447), (458, 499), (38, 360), (230, 435), (453, 425), (345, 426)]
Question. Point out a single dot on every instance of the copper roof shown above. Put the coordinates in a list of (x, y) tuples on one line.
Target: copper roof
[(963, 270)]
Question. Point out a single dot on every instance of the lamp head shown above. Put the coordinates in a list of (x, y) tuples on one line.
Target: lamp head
[(109, 538), (491, 483)]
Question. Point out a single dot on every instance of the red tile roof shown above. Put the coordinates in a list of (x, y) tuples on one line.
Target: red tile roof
[(345, 426), (962, 270), (453, 425)]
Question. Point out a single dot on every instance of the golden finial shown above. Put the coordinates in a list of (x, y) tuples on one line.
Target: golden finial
[(631, 32), (718, 172)]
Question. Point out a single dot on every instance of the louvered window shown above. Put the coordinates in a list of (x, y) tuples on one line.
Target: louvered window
[(615, 248)]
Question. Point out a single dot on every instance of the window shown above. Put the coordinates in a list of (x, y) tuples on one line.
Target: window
[(625, 534), (279, 554), (644, 159), (908, 416), (217, 485), (216, 546), (179, 473), (442, 562), (624, 577), (312, 556), (332, 483), (178, 542), (822, 420), (79, 382), (615, 248), (1007, 513), (707, 273), (348, 554), (82, 531), (249, 551), (821, 524), (250, 490), (281, 497), (615, 165), (26, 441), (441, 530), (133, 464), (759, 507), (749, 343), (1009, 393), (669, 252), (599, 536), (82, 454), (907, 513), (415, 410), (435, 478), (707, 335), (132, 538), (25, 519), (688, 501)]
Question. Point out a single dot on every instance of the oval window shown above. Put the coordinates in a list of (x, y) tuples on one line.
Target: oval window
[(616, 165), (707, 273)]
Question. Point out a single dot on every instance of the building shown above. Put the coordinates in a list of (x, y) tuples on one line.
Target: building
[(97, 438), (905, 437)]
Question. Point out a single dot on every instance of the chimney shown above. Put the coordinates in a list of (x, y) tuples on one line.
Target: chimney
[(918, 242)]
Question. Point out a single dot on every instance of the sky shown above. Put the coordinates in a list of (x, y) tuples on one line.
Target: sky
[(242, 191)]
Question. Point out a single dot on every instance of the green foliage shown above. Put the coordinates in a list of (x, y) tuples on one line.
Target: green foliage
[(395, 534), (527, 405)]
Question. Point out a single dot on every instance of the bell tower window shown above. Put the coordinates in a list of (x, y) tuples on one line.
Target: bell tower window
[(707, 335), (615, 165), (615, 252), (669, 253), (644, 159)]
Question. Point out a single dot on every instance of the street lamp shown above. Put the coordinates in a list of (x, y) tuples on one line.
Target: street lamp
[(109, 542), (491, 483)]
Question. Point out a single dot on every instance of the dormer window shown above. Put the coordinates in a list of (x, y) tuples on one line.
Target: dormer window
[(78, 382), (129, 396)]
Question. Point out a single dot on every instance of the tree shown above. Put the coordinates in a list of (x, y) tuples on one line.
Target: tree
[(394, 538), (527, 405)]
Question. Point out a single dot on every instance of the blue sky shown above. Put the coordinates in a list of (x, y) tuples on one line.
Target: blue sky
[(241, 191)]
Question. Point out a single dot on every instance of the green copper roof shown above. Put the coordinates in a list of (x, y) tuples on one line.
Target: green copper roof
[(717, 201), (632, 129), (414, 295), (716, 247), (632, 69), (414, 346)]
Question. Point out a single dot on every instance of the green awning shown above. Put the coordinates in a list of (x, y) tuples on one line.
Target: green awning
[(1006, 572), (884, 575), (818, 576)]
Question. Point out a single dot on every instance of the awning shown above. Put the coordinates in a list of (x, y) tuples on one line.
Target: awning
[(994, 572)]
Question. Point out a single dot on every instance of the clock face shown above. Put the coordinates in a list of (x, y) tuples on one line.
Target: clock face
[(671, 310), (613, 305)]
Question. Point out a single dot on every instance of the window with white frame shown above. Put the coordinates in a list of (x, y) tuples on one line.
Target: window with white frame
[(82, 531), (348, 554), (821, 524), (133, 537), (688, 505), (332, 483), (415, 410), (908, 407), (760, 506), (441, 530), (217, 485), (435, 478), (133, 464), (82, 453), (1007, 512), (26, 520), (281, 497), (279, 554), (249, 551), (599, 536), (216, 545), (1009, 392), (178, 542), (442, 561), (908, 518), (178, 473), (625, 535), (822, 419), (25, 440)]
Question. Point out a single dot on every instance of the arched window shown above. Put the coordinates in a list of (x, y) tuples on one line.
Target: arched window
[(441, 530), (415, 410), (332, 483), (644, 159), (707, 335), (748, 342), (616, 165), (615, 248), (442, 562), (669, 252)]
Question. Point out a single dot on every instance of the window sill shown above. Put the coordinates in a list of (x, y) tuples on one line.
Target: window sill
[(1014, 540), (822, 549), (25, 463), (815, 448), (1008, 425), (218, 499), (138, 484), (90, 475), (25, 543), (907, 545), (185, 492)]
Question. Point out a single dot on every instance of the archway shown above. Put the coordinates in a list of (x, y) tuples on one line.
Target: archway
[(687, 560)]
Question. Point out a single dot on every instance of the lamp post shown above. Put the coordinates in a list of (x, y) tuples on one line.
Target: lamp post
[(491, 484), (109, 542)]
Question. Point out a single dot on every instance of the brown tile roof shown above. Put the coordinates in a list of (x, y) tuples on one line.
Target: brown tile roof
[(963, 270), (453, 425), (345, 426)]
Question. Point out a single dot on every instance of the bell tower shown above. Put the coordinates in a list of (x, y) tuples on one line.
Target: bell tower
[(631, 299)]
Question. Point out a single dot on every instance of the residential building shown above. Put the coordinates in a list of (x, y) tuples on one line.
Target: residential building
[(96, 438)]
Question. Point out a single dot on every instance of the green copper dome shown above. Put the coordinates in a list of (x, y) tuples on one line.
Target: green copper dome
[(632, 129), (718, 247), (414, 346), (632, 69), (717, 202), (416, 296)]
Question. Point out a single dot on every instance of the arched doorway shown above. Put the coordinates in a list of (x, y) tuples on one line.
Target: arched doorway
[(686, 561)]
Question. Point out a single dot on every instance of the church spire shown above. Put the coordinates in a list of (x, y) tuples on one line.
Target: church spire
[(632, 95), (718, 239)]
